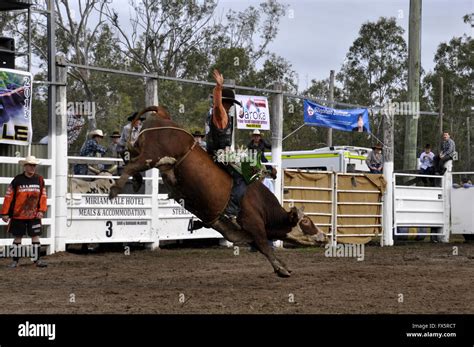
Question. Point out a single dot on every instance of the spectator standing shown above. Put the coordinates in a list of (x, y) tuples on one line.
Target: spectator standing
[(24, 206)]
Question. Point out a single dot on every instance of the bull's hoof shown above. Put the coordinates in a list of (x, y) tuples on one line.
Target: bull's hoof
[(114, 191), (281, 272)]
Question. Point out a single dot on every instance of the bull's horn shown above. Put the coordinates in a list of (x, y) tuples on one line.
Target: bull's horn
[(93, 169), (112, 169)]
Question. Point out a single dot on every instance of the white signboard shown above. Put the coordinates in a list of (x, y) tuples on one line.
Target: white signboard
[(254, 114), (97, 218)]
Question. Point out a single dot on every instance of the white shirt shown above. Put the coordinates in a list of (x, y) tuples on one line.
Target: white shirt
[(426, 160)]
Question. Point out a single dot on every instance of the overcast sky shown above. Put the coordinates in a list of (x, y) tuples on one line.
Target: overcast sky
[(315, 35)]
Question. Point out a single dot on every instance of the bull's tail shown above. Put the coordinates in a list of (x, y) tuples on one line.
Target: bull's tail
[(159, 111)]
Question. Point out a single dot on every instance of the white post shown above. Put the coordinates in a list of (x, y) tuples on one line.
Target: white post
[(59, 141), (448, 186), (387, 206), (277, 138), (151, 186)]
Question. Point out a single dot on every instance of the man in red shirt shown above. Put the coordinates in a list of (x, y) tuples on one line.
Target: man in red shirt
[(24, 206)]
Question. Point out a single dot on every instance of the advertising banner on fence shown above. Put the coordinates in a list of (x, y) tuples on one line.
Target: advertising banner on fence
[(15, 107), (356, 120), (254, 113)]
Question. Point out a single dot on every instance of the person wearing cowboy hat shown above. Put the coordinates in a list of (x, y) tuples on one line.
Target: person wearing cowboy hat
[(113, 149), (219, 122), (24, 206), (259, 145), (199, 138), (91, 148), (130, 132), (219, 129), (375, 159)]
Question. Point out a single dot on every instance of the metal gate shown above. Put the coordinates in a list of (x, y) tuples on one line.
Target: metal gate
[(420, 206), (347, 207)]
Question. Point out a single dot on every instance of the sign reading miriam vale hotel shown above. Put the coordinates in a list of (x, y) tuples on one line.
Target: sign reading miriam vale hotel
[(94, 216)]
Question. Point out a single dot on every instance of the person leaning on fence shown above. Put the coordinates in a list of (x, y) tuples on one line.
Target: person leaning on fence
[(91, 148), (447, 150), (113, 150), (130, 134), (24, 206), (126, 144), (375, 160)]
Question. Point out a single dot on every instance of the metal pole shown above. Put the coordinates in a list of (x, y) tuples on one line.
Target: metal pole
[(441, 106), (151, 186), (59, 143), (414, 65), (29, 39), (331, 99), (387, 213), (277, 137), (468, 124)]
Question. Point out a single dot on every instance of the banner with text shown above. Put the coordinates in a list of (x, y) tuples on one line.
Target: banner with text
[(356, 120), (15, 107), (254, 113)]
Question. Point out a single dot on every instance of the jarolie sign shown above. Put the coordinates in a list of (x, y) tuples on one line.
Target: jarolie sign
[(254, 113), (15, 107)]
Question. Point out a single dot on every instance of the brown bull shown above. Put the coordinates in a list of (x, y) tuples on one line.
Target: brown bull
[(205, 187)]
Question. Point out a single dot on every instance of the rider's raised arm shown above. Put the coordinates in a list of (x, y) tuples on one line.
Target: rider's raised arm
[(219, 115)]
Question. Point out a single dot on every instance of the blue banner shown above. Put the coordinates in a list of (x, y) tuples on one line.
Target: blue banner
[(356, 120)]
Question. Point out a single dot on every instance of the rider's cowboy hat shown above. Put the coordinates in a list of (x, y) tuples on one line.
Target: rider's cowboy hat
[(31, 159), (96, 132), (115, 134), (229, 95), (256, 132)]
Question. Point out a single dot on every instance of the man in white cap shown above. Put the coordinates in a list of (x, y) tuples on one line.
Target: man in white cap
[(91, 148), (24, 206), (259, 145)]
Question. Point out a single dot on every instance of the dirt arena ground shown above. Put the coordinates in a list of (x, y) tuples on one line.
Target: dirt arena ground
[(214, 280)]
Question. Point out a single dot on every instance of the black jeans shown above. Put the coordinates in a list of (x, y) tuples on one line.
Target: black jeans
[(439, 163)]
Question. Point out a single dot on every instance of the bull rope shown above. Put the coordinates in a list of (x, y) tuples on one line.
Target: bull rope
[(173, 128)]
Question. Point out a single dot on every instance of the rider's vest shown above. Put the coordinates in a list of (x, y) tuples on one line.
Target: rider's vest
[(218, 138)]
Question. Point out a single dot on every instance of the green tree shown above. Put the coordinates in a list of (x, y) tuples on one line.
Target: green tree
[(454, 62), (375, 70)]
